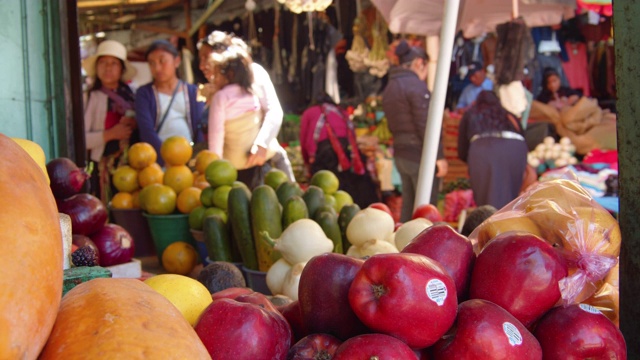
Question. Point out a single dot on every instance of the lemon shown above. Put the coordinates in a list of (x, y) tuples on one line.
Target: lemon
[(185, 293), (35, 151), (220, 172), (326, 180)]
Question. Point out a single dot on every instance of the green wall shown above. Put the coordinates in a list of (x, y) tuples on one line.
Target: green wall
[(32, 101)]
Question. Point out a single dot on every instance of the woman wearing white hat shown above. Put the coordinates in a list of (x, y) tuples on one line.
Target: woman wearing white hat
[(109, 122)]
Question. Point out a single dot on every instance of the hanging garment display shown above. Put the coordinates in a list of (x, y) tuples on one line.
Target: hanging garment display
[(514, 51), (576, 68)]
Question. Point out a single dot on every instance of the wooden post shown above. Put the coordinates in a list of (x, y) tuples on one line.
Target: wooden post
[(626, 28)]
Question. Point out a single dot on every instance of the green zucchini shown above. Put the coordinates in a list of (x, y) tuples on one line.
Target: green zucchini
[(294, 209), (240, 221), (216, 238), (328, 221), (286, 190), (314, 198), (344, 218), (266, 215)]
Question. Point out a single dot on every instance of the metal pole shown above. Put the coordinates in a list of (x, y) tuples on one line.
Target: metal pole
[(436, 107)]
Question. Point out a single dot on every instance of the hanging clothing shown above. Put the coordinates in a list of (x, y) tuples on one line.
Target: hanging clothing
[(576, 68), (514, 51)]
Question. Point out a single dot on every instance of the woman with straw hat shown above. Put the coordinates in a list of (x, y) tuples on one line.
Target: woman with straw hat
[(109, 120)]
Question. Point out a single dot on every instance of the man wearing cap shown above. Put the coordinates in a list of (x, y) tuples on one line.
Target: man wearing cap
[(479, 82)]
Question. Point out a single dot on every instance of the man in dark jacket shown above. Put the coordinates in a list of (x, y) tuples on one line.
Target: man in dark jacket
[(405, 101)]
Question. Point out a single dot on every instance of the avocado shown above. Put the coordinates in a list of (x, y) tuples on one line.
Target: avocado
[(220, 275)]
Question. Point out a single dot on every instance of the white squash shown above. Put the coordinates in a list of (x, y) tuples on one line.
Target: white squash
[(354, 251), (409, 230), (369, 224), (276, 275), (292, 281), (301, 241), (374, 247)]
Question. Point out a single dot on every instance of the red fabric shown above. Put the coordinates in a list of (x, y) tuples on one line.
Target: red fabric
[(598, 156), (586, 5), (577, 69), (113, 118), (308, 125)]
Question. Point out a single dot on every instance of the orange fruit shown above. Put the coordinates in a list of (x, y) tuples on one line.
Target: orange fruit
[(176, 150), (204, 158), (188, 199), (158, 199), (200, 182), (125, 178), (151, 174), (179, 258), (122, 200), (178, 177), (135, 197), (141, 155), (220, 172)]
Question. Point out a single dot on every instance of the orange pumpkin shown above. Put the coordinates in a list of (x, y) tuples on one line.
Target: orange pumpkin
[(120, 319), (30, 254)]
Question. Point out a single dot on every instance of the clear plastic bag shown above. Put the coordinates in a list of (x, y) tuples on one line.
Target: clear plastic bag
[(564, 214)]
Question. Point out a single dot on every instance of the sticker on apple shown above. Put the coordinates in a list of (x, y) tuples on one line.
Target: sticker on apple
[(514, 336), (590, 309), (437, 291)]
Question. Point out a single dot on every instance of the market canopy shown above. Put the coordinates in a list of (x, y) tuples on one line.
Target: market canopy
[(424, 17)]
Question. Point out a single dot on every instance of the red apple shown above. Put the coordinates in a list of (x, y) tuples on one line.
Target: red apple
[(230, 329), (257, 298), (452, 250), (381, 206), (408, 296), (519, 272), (374, 346), (427, 211), (230, 293), (323, 295), (485, 331), (579, 332), (314, 347), (293, 314)]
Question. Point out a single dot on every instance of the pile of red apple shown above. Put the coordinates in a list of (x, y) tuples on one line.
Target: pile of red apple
[(434, 300)]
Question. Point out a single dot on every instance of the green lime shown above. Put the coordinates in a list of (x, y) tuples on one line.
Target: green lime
[(326, 180), (216, 211), (195, 218), (330, 200), (342, 198), (275, 177), (206, 196), (220, 172), (221, 196)]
